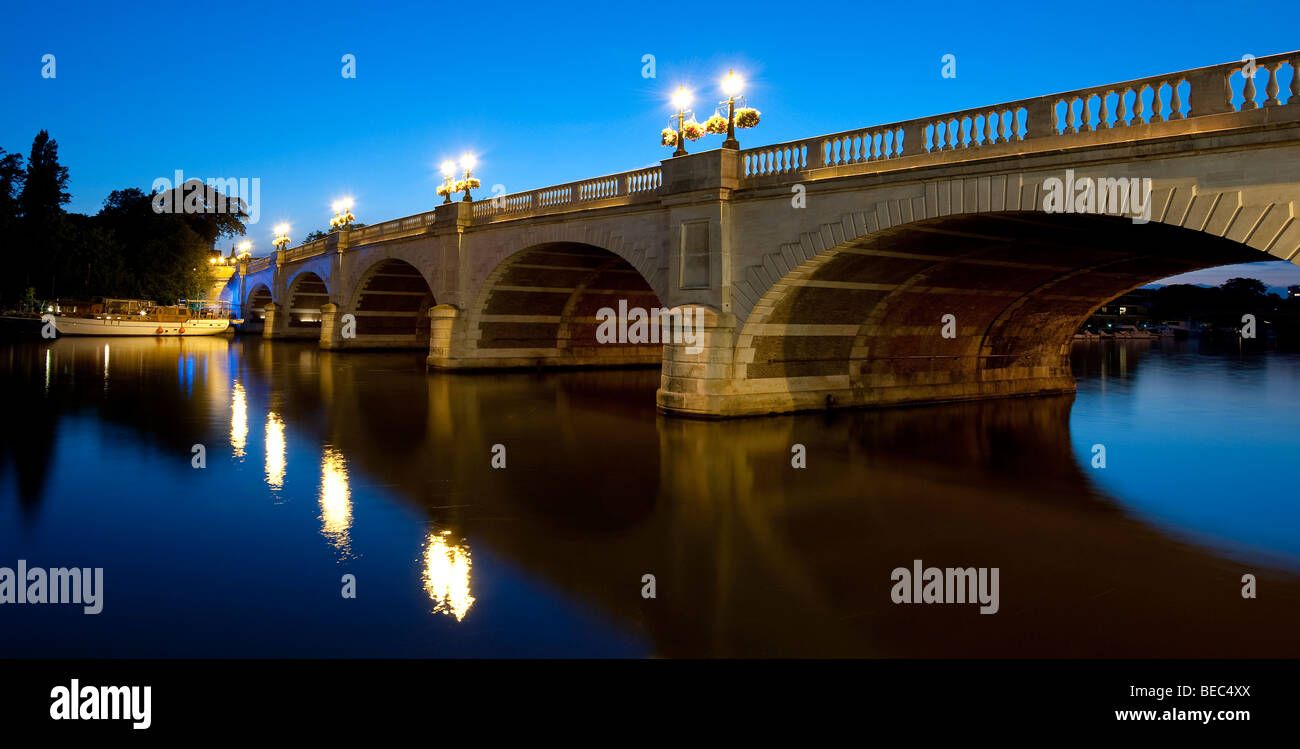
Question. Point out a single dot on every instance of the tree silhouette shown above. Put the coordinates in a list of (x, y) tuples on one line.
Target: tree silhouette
[(45, 189), (1244, 287), (12, 176)]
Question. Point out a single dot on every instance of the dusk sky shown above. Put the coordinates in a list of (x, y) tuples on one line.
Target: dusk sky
[(135, 86)]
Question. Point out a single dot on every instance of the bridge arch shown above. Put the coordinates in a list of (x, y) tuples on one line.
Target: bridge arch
[(391, 302), (542, 305), (304, 295), (254, 307), (855, 313)]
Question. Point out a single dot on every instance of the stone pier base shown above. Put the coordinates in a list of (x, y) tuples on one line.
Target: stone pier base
[(712, 382)]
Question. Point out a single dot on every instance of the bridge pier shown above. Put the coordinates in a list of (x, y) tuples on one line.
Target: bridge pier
[(446, 338), (273, 324), (331, 328), (699, 378)]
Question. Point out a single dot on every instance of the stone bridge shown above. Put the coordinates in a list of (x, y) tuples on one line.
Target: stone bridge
[(909, 262)]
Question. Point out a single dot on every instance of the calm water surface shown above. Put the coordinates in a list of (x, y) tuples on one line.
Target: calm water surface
[(322, 464)]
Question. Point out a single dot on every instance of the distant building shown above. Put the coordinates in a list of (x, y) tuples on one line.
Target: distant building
[(1132, 308), (1293, 292)]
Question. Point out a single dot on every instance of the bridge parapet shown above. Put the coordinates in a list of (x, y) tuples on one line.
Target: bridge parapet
[(259, 264), (624, 188), (1172, 96), (310, 249)]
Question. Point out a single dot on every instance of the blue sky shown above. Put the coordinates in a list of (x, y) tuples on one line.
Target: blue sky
[(543, 93)]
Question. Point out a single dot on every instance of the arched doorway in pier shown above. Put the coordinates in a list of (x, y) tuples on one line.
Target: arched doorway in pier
[(391, 306)]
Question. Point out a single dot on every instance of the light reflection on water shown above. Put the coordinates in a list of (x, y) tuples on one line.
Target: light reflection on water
[(238, 421), (335, 501), (446, 575), (275, 451), (372, 467)]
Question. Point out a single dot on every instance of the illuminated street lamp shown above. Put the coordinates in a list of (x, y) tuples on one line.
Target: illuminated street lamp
[(281, 236), (448, 186), (245, 248), (343, 217), (742, 117), (685, 130), (467, 162), (731, 86)]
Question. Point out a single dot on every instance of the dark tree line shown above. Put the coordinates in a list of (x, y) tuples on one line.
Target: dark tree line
[(126, 250), (1223, 306)]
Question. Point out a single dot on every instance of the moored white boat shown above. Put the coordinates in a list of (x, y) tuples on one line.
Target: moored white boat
[(133, 317), (138, 326)]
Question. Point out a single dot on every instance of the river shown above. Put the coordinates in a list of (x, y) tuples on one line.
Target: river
[(318, 465)]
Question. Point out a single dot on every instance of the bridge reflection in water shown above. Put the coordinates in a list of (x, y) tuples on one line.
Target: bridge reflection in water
[(751, 556)]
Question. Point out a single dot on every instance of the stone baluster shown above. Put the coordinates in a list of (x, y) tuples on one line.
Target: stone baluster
[(1103, 112), (988, 128), (935, 145), (1086, 124), (1175, 100), (1138, 119), (1271, 87), (1121, 108), (1156, 105), (1248, 93)]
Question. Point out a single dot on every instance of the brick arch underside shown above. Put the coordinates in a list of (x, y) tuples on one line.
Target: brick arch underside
[(255, 305), (392, 303), (305, 296), (863, 322), (542, 303)]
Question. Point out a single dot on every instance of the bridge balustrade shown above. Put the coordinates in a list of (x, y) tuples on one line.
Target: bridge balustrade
[(1213, 90), (1217, 89)]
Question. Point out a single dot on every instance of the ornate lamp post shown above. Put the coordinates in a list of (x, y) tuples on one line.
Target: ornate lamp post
[(467, 162), (245, 248), (681, 100), (281, 236), (731, 86), (343, 217), (448, 186), (742, 117)]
